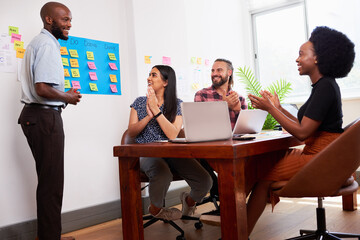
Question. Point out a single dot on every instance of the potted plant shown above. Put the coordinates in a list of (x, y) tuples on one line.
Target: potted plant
[(253, 86)]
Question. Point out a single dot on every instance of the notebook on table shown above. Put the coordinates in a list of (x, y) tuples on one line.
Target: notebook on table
[(205, 121), (248, 122)]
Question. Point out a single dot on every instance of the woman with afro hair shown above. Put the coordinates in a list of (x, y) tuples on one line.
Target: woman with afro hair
[(327, 55)]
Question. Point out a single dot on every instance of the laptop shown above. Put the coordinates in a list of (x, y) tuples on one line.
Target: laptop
[(249, 121), (205, 121)]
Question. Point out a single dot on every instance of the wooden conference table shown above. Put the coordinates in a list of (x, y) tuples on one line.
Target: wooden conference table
[(238, 164)]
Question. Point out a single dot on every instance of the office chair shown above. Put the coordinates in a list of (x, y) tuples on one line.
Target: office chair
[(324, 176), (126, 139)]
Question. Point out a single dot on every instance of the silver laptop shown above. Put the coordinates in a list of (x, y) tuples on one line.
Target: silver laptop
[(205, 121), (249, 121)]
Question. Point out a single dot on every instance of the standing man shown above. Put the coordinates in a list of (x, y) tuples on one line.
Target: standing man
[(42, 82), (220, 90)]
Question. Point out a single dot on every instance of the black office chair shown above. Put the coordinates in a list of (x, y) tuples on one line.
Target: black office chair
[(126, 139)]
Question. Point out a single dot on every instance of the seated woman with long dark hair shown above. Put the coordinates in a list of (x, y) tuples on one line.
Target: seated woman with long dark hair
[(157, 116)]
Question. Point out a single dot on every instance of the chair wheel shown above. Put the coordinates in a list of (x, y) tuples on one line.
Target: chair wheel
[(180, 237), (198, 225)]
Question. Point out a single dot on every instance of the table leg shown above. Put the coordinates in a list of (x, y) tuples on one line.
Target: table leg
[(131, 209), (231, 183)]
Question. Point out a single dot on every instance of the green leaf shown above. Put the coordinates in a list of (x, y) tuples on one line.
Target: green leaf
[(253, 86)]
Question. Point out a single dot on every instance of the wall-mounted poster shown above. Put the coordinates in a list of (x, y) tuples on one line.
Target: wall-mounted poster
[(91, 66)]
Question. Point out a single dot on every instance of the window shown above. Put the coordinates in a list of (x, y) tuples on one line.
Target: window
[(279, 31)]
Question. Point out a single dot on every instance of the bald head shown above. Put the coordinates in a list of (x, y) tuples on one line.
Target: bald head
[(57, 19), (50, 9)]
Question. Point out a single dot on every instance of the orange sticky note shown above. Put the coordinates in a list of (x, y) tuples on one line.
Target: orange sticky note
[(63, 51), (93, 87), (198, 61), (113, 78), (73, 53), (74, 62), (20, 52), (75, 73), (76, 84), (147, 59), (66, 72), (113, 88)]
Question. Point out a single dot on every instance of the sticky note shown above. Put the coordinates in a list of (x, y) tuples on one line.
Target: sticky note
[(20, 52), (93, 87), (198, 61), (73, 53), (93, 76), (67, 84), (90, 55), (193, 60), (75, 73), (65, 61), (207, 62), (147, 59), (13, 30), (91, 65), (15, 37), (66, 72), (113, 66), (76, 84), (113, 78), (63, 51), (74, 63), (18, 44), (113, 88), (112, 56), (166, 60)]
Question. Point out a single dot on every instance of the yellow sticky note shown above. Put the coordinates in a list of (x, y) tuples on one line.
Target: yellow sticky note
[(63, 51), (75, 73), (74, 63), (113, 78), (66, 72), (67, 84), (90, 55), (93, 87), (20, 53), (65, 61), (147, 59), (73, 53), (112, 56), (18, 44), (198, 61), (13, 30)]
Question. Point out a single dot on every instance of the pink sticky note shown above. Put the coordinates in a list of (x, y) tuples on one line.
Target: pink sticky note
[(15, 37), (207, 62), (76, 84), (91, 65), (166, 60), (93, 76), (113, 88), (113, 66)]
